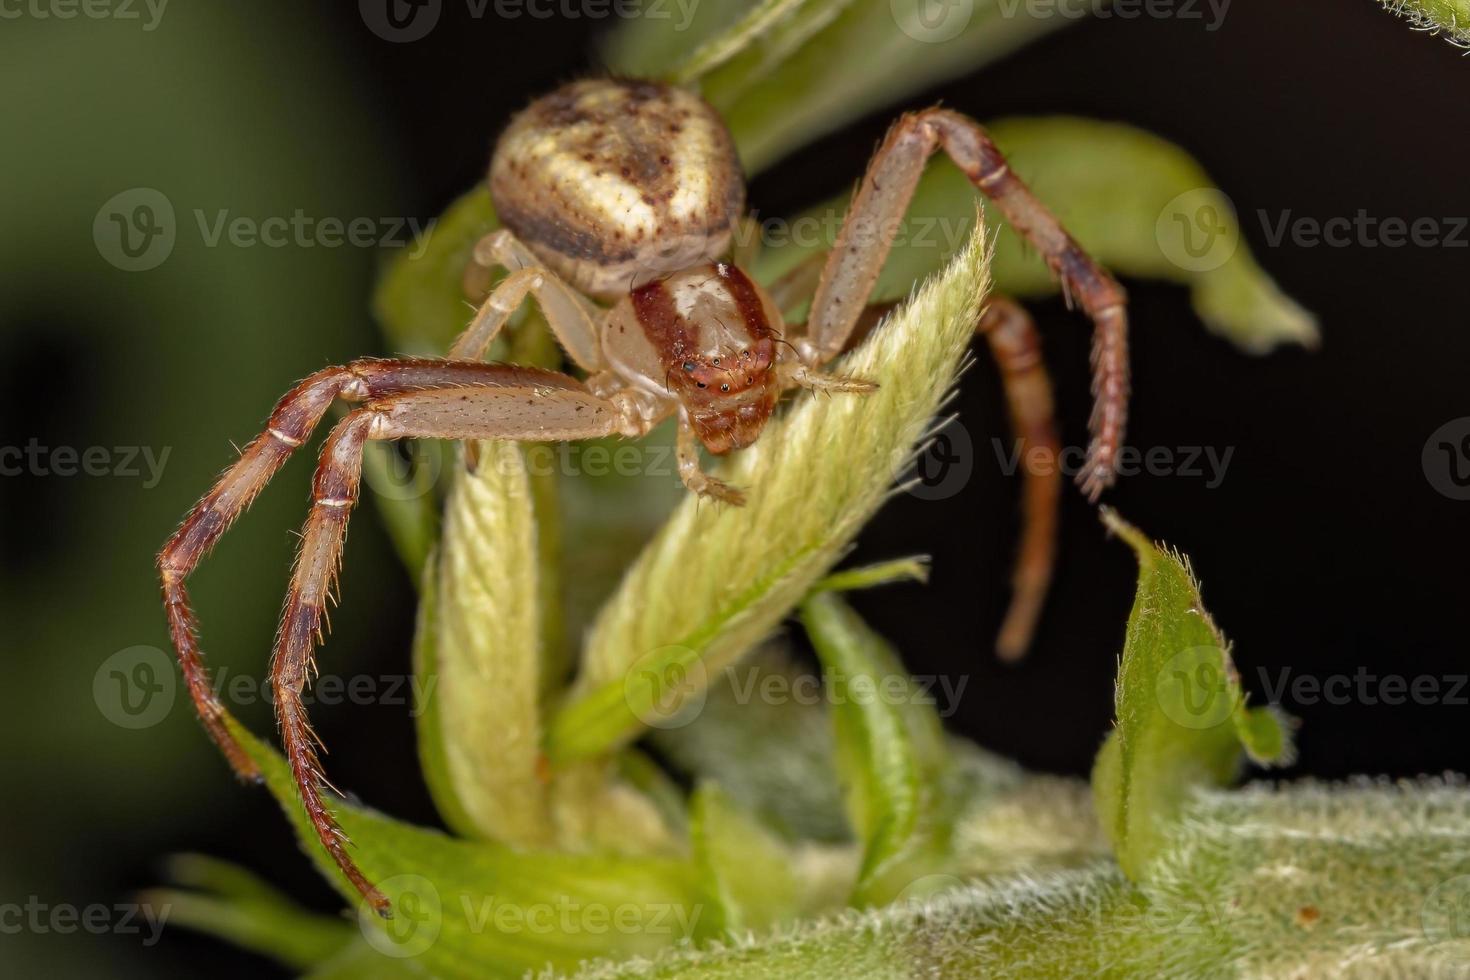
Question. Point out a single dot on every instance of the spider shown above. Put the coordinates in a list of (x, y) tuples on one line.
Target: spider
[(619, 200)]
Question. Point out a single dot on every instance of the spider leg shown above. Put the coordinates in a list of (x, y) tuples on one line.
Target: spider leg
[(687, 456), (1016, 347), (291, 424), (572, 319), (501, 402), (867, 235)]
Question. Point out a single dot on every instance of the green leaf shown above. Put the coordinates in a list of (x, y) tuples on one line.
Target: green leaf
[(717, 579), (478, 659), (358, 960), (752, 879), (1449, 17), (784, 81), (1181, 713), (1140, 205), (1363, 880), (233, 904), (470, 909), (890, 749), (915, 569), (773, 754)]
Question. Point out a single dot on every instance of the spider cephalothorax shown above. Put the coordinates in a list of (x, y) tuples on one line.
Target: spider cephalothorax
[(713, 332), (619, 200)]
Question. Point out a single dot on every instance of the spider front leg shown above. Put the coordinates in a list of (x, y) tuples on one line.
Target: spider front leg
[(867, 236), (696, 479), (503, 403), (407, 398)]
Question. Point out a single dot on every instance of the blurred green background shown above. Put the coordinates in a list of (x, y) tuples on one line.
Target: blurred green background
[(248, 109)]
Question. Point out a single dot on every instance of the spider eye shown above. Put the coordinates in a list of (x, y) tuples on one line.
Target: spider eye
[(689, 366), (701, 384), (724, 387), (716, 362)]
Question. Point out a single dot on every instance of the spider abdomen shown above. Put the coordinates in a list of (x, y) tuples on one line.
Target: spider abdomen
[(614, 182)]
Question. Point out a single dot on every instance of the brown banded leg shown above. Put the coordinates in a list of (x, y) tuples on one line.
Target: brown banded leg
[(501, 402), (291, 424), (867, 235), (1016, 348)]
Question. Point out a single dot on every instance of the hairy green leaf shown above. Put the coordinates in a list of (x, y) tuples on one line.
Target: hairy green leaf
[(890, 749), (1448, 17), (717, 579), (1363, 880), (478, 658), (1181, 715)]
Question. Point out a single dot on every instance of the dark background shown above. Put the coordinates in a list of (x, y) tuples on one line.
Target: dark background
[(1325, 551)]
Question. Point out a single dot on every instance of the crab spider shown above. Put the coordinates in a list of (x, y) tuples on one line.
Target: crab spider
[(619, 199)]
